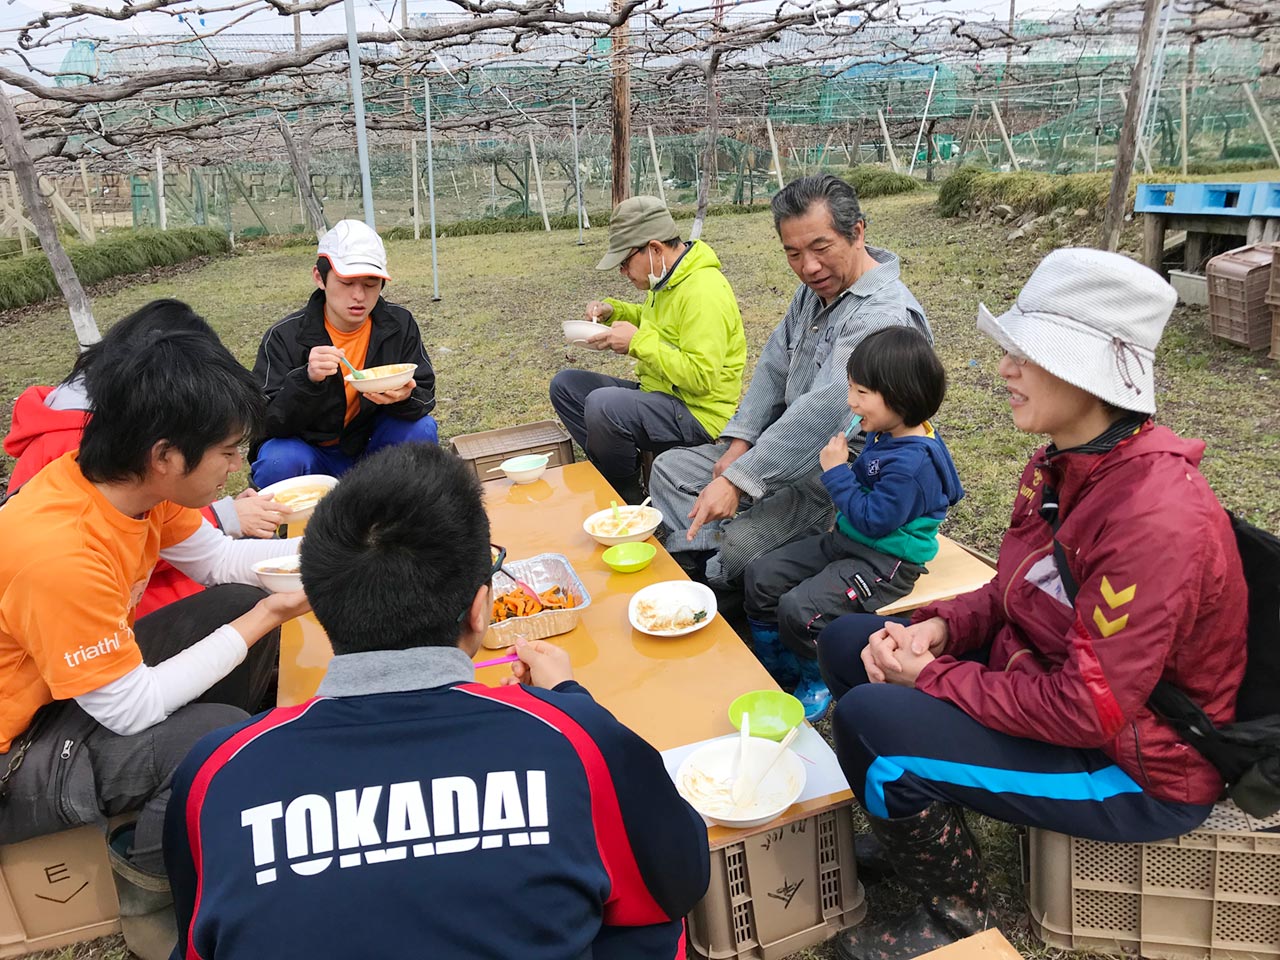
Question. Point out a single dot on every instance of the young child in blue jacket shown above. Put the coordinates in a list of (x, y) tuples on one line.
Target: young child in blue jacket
[(889, 504)]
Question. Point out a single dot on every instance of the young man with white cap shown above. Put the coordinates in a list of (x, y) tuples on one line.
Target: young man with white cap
[(316, 421), (686, 336), (1027, 700)]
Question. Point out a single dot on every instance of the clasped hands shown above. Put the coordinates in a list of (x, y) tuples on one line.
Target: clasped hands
[(897, 653)]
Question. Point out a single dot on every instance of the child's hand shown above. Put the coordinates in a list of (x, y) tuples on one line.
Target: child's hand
[(835, 452)]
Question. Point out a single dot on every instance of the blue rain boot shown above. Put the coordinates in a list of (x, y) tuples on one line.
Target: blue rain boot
[(812, 690), (770, 651)]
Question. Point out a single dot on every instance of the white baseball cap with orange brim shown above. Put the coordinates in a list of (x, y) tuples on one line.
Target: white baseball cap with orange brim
[(354, 249)]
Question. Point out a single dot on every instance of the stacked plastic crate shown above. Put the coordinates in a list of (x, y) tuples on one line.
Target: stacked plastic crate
[(1273, 301), (1239, 307)]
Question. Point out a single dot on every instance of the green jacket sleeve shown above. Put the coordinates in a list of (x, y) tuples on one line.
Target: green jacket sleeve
[(622, 310), (705, 312)]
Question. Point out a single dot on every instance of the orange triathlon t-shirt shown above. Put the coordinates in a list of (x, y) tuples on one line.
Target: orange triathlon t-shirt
[(71, 572), (356, 347)]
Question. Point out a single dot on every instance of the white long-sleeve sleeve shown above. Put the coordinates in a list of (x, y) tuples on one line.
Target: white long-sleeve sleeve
[(146, 695), (209, 556)]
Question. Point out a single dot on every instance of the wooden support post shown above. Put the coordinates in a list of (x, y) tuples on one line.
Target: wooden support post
[(1153, 229), (657, 168), (234, 179), (537, 180), (50, 190), (1262, 122), (88, 203), (888, 144), (1004, 135), (23, 170), (413, 176), (968, 129), (620, 91), (162, 215), (773, 146), (1182, 130), (1117, 199), (22, 222)]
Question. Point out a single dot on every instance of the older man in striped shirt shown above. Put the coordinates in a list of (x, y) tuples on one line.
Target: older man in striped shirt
[(727, 503)]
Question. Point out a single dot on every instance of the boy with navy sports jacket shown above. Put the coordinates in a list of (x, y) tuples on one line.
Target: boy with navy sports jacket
[(889, 505), (408, 810)]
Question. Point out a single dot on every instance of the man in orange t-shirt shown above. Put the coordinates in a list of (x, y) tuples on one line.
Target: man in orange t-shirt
[(97, 710), (316, 420)]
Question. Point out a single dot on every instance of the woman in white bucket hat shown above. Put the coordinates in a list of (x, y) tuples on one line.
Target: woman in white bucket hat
[(1026, 700)]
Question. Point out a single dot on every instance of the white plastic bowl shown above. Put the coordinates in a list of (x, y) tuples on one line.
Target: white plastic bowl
[(387, 377), (580, 331), (311, 481), (526, 468), (279, 582), (642, 527), (705, 779)]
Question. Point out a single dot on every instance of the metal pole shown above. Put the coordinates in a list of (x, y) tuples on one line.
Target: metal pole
[(162, 216), (577, 176), (920, 133), (357, 100), (657, 168), (1097, 128), (413, 176), (431, 190)]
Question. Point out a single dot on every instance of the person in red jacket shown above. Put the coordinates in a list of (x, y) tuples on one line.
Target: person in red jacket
[(48, 422), (1026, 700)]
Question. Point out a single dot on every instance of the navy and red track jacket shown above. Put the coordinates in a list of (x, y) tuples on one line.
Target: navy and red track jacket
[(459, 821)]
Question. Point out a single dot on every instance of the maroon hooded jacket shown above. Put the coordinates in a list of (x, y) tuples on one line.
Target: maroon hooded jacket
[(1161, 595)]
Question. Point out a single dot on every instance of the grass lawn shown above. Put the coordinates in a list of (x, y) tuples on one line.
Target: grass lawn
[(495, 341)]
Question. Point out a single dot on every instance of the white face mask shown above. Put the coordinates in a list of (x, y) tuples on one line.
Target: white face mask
[(654, 280)]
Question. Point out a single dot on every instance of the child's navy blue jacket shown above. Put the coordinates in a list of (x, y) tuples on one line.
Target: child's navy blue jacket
[(895, 495), (457, 821)]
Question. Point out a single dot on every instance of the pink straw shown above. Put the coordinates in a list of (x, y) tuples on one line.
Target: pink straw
[(511, 658)]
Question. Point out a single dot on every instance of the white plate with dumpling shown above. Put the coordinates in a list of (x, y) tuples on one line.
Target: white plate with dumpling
[(672, 608)]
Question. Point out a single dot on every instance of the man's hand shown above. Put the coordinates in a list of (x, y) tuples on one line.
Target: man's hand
[(541, 664), (599, 310), (616, 338), (835, 452), (717, 501), (323, 362), (259, 516), (283, 607), (737, 447), (392, 396)]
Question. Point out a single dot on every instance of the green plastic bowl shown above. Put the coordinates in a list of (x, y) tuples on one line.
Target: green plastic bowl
[(773, 713), (630, 557)]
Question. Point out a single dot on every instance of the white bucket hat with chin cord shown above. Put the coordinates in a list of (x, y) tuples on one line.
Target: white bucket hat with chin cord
[(1093, 319)]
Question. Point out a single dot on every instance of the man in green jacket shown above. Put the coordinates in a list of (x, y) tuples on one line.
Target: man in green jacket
[(687, 340)]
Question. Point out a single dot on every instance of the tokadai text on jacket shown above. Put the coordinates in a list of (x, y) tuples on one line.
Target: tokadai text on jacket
[(453, 821), (314, 412), (1161, 596), (689, 342)]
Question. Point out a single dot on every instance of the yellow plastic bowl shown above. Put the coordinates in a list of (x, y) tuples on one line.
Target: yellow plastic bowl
[(629, 557)]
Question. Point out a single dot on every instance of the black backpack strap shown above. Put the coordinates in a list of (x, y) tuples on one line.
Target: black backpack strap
[(1052, 516)]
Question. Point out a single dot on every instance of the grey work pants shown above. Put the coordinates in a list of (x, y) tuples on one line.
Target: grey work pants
[(613, 420), (799, 509), (76, 771)]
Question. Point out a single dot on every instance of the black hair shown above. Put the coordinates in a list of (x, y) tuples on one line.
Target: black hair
[(158, 316), (795, 199), (900, 365), (182, 388), (324, 266), (397, 551)]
